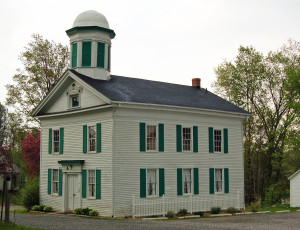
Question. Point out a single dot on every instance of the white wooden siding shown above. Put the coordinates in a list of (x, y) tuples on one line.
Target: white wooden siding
[(128, 158), (73, 145), (295, 191)]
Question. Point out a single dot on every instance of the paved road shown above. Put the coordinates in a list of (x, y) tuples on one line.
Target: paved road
[(282, 221)]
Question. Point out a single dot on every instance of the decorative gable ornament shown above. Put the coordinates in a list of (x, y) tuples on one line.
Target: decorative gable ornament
[(74, 90)]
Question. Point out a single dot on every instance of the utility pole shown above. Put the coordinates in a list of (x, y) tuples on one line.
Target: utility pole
[(6, 202), (3, 195)]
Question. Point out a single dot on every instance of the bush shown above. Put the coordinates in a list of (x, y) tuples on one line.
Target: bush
[(215, 210), (48, 209), (35, 208), (275, 193), (93, 213), (255, 206), (85, 211), (182, 211), (171, 214), (30, 193), (77, 211), (232, 210), (200, 213), (41, 207)]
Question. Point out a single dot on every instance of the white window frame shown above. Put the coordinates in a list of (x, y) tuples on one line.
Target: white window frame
[(156, 183), (156, 137), (53, 182), (191, 181), (221, 140), (191, 138), (222, 181), (53, 132), (89, 139), (88, 183)]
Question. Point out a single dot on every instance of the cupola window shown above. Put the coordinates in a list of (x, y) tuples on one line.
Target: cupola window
[(74, 55), (100, 54), (86, 53)]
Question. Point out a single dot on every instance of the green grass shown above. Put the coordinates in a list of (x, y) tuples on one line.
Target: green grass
[(274, 208), (12, 226)]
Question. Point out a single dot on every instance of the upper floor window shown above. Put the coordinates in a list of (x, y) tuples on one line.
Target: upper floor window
[(74, 55), (151, 182), (187, 181), (86, 53), (75, 101), (55, 181), (186, 139), (92, 138), (92, 183), (218, 140), (151, 137), (56, 141)]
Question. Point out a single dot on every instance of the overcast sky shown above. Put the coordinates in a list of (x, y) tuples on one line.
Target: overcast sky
[(164, 40)]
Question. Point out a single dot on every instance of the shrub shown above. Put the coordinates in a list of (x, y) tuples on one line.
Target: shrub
[(215, 210), (232, 210), (35, 208), (200, 213), (255, 206), (41, 207), (30, 193), (275, 193), (171, 214), (78, 211), (182, 211), (85, 211), (48, 209), (93, 213)]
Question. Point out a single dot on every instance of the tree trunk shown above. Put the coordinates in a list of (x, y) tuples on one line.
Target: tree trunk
[(6, 203), (3, 189)]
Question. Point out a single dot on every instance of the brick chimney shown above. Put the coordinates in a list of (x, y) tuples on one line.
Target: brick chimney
[(196, 82)]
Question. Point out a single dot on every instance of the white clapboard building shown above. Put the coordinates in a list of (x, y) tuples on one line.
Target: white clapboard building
[(295, 189), (126, 146)]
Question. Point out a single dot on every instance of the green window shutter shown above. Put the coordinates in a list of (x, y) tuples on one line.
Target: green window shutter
[(196, 181), (195, 139), (98, 184), (98, 127), (84, 139), (211, 181), (179, 138), (211, 139), (161, 181), (179, 182), (86, 53), (100, 54), (74, 55), (226, 178), (225, 140), (83, 183), (61, 140), (143, 183), (50, 142), (161, 135), (142, 137), (108, 59), (60, 182), (49, 181)]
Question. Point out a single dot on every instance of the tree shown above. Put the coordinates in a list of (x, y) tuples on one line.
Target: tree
[(31, 154), (258, 84), (44, 62)]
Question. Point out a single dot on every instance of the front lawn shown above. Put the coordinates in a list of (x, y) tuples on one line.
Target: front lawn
[(12, 226), (272, 208)]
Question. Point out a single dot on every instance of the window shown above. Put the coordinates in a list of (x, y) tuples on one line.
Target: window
[(219, 180), (75, 101), (151, 182), (187, 181), (74, 55), (186, 139), (92, 138), (56, 140), (218, 140), (92, 183), (100, 55), (55, 181), (151, 137), (86, 53)]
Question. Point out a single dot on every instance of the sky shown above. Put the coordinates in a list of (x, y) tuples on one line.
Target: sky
[(162, 40)]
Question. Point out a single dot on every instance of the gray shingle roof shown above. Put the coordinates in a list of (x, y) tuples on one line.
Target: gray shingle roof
[(126, 89)]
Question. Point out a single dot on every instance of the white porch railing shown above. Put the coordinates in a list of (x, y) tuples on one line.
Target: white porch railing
[(193, 203)]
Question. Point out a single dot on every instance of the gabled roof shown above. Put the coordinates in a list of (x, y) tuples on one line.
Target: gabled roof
[(133, 90), (294, 174)]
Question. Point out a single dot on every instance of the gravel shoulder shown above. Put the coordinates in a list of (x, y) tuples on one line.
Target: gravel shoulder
[(274, 221)]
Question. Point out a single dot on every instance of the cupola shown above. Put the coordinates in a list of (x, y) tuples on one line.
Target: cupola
[(90, 41)]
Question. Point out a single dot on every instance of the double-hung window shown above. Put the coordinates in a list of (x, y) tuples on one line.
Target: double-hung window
[(92, 138), (152, 182), (56, 141), (219, 180), (218, 140), (151, 137), (186, 139), (92, 183), (187, 181), (55, 181)]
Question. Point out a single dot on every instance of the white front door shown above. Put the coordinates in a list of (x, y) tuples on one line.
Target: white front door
[(73, 192)]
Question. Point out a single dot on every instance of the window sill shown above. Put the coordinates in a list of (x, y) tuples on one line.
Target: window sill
[(91, 198), (54, 194), (153, 196), (152, 151)]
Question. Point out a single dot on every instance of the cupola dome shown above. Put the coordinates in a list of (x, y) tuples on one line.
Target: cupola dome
[(91, 18)]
